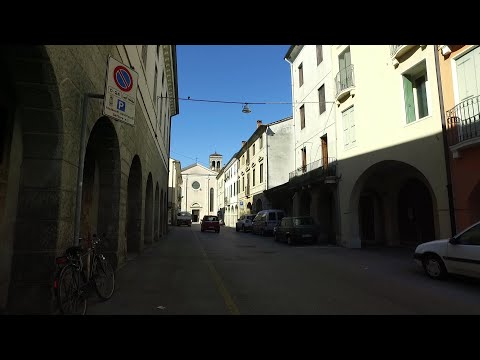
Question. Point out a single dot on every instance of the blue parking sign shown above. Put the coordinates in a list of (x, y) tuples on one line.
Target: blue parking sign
[(121, 105)]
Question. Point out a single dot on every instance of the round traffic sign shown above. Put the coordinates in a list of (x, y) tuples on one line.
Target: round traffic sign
[(123, 78)]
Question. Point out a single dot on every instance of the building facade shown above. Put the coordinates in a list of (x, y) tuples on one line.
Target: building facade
[(393, 187), (220, 195), (231, 191), (122, 190), (460, 74), (174, 190), (199, 190), (311, 186)]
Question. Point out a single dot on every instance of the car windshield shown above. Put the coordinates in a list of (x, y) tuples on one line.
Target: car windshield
[(210, 218), (303, 221), (251, 217)]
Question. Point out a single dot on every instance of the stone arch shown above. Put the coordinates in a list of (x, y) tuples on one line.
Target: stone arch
[(161, 212), (258, 205), (101, 185), (164, 216), (156, 215), (377, 210), (148, 225), (34, 214), (134, 206)]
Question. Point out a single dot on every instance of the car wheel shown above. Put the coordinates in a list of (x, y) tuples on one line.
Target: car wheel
[(289, 241), (434, 266), (275, 238), (243, 228), (236, 228)]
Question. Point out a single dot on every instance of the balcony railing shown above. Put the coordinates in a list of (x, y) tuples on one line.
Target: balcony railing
[(344, 79), (463, 121), (327, 169), (394, 49)]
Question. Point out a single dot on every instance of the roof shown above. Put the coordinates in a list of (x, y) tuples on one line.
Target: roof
[(215, 154)]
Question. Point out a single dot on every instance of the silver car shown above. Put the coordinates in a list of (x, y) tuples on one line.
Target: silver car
[(245, 223)]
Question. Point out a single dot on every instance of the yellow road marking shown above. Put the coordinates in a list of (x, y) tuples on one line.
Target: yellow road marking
[(231, 306)]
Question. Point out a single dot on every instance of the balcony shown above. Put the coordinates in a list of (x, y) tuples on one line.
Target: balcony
[(463, 125), (397, 51), (316, 171), (345, 83)]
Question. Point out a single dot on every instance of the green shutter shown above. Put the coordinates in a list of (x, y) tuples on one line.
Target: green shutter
[(409, 104)]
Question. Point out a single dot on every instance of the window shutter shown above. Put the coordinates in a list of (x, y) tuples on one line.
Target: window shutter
[(352, 126), (409, 104), (346, 125)]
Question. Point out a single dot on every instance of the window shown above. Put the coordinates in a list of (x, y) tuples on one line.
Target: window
[(468, 75), (234, 191), (321, 99), (415, 92), (253, 177), (238, 186), (304, 158), (261, 141), (248, 157), (319, 54), (155, 87), (144, 55), (300, 75), (261, 173), (196, 185), (302, 116), (348, 127), (211, 199), (470, 237), (243, 183), (253, 150)]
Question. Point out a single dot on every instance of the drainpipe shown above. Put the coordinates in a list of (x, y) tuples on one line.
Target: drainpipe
[(451, 206), (81, 160)]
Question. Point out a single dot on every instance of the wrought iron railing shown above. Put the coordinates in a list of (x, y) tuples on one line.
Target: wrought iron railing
[(327, 169), (394, 49), (345, 79), (463, 121)]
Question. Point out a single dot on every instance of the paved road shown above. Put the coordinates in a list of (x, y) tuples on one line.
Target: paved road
[(195, 273)]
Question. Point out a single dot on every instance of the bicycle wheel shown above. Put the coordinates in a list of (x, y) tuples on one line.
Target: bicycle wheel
[(70, 292), (104, 278)]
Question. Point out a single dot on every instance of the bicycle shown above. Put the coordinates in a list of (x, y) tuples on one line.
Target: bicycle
[(73, 280)]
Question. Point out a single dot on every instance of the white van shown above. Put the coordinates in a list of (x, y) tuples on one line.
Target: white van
[(266, 220)]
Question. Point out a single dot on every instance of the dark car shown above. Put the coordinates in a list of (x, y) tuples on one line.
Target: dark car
[(244, 223), (210, 222), (300, 229)]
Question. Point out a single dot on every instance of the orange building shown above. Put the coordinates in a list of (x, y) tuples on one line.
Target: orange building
[(459, 67)]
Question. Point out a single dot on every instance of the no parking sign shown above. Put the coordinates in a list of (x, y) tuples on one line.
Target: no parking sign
[(120, 92)]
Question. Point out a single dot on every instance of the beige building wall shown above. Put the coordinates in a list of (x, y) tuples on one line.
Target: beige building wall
[(198, 199), (382, 134)]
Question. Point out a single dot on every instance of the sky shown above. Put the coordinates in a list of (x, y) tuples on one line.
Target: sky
[(239, 73)]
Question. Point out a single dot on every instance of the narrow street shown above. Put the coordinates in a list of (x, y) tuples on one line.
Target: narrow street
[(193, 273)]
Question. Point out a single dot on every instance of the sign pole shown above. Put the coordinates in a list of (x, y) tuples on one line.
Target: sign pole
[(81, 160)]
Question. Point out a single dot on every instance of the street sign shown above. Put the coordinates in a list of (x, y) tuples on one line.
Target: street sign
[(120, 92)]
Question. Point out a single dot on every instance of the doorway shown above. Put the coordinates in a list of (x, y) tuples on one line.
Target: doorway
[(195, 215)]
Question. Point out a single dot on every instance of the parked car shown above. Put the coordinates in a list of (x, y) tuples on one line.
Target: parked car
[(184, 218), (210, 222), (457, 255), (300, 229), (266, 220), (245, 223)]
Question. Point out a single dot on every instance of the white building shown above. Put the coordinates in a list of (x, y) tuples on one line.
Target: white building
[(313, 94), (231, 191), (265, 160), (199, 189), (220, 194)]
